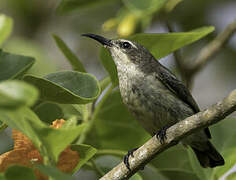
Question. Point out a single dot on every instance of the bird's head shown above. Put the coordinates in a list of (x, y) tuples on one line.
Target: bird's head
[(123, 51)]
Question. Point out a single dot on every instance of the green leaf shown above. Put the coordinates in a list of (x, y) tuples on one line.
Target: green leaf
[(86, 152), (71, 57), (71, 110), (66, 87), (53, 172), (163, 44), (20, 173), (144, 6), (50, 142), (114, 127), (67, 6), (71, 122), (12, 66), (159, 44), (48, 112), (224, 139), (6, 24), (14, 93)]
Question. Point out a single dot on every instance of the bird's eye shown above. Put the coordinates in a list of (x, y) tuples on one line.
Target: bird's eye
[(126, 45)]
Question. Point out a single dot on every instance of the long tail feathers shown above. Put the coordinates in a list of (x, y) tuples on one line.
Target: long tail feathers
[(210, 157)]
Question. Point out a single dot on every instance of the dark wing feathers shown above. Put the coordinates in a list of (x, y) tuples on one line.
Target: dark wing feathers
[(179, 89)]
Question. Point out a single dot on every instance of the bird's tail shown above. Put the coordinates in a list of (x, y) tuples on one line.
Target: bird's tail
[(209, 157)]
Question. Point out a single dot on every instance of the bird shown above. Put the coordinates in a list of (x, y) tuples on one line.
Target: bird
[(156, 98)]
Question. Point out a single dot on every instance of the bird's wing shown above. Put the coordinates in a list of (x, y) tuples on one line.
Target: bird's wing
[(177, 87)]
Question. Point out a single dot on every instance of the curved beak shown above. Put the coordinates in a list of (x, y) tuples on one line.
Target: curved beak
[(102, 40)]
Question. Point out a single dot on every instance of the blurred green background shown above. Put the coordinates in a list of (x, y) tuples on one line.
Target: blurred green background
[(35, 21)]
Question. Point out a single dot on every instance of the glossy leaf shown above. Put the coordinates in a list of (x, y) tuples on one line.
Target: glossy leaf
[(53, 172), (71, 5), (48, 112), (86, 152), (13, 66), (50, 142), (66, 87), (6, 24), (144, 6), (114, 126), (14, 93), (159, 44), (71, 57), (19, 173)]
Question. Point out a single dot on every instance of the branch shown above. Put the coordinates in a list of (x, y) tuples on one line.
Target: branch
[(214, 46), (208, 51), (188, 71), (181, 64), (174, 134)]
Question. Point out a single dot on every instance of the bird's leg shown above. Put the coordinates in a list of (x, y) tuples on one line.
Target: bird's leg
[(126, 158), (161, 134)]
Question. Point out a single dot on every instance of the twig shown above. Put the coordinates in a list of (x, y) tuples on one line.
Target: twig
[(177, 56), (175, 133), (188, 71), (208, 51)]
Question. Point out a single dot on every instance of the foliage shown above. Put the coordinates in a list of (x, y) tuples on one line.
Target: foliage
[(94, 113)]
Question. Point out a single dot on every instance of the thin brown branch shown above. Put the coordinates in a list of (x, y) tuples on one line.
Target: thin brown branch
[(174, 134), (214, 46), (188, 71), (177, 56), (209, 51)]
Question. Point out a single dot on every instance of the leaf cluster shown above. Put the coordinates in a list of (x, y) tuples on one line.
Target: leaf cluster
[(94, 113)]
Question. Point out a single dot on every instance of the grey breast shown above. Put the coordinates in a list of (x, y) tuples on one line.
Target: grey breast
[(152, 104)]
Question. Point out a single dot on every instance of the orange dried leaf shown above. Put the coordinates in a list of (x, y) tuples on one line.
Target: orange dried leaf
[(24, 153), (21, 141)]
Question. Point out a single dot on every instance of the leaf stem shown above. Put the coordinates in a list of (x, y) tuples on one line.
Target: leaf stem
[(92, 116)]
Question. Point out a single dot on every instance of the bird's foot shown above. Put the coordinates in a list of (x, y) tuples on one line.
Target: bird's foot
[(161, 134), (126, 158)]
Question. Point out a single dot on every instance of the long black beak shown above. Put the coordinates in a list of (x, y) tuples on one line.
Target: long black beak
[(102, 40)]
